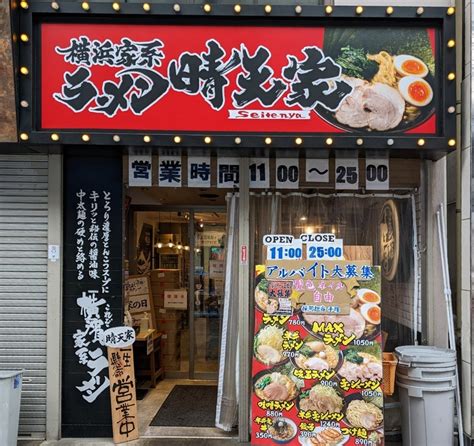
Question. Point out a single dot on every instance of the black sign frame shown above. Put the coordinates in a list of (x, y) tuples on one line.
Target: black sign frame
[(425, 146)]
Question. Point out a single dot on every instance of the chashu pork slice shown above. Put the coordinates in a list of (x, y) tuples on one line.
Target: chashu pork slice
[(385, 106), (276, 392), (351, 112)]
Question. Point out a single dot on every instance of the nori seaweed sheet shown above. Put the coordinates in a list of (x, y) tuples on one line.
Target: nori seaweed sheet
[(412, 41)]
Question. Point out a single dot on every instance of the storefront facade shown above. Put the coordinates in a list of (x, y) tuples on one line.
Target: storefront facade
[(153, 149)]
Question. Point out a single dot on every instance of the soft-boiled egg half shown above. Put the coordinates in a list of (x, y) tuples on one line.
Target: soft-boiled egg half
[(371, 313), (415, 90), (410, 66)]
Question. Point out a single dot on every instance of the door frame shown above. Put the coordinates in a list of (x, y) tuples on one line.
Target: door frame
[(191, 373)]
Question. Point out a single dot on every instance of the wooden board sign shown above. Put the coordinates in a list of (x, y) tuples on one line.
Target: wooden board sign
[(123, 397)]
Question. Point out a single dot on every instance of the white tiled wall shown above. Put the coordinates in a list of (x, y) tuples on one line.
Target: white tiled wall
[(398, 303)]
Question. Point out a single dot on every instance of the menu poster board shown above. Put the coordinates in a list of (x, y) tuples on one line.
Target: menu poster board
[(316, 375)]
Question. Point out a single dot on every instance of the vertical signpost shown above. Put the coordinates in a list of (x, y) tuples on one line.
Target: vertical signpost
[(317, 357), (123, 397)]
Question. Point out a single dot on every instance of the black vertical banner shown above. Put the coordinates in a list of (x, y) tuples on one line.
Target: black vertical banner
[(92, 286)]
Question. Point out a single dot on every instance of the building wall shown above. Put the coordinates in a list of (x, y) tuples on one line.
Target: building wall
[(8, 131)]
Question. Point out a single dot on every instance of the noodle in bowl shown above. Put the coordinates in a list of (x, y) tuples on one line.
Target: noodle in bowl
[(315, 355), (360, 413), (268, 345), (275, 386)]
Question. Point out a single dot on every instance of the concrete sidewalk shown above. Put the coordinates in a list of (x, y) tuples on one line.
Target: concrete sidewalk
[(147, 442), (140, 442)]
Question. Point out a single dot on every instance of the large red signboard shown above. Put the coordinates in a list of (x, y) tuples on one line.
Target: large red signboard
[(239, 78)]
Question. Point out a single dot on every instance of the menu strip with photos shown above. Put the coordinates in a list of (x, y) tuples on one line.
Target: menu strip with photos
[(317, 356)]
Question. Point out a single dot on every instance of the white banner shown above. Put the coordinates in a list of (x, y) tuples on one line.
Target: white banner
[(259, 173), (199, 171), (170, 171), (287, 173), (377, 172), (317, 170), (228, 172), (139, 170), (347, 173)]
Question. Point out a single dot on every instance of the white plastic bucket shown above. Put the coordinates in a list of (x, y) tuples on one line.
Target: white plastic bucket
[(429, 383), (425, 356), (426, 381), (427, 415), (427, 372), (10, 395)]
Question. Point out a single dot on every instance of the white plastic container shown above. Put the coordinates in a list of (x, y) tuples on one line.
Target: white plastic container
[(426, 381), (10, 395), (429, 383), (425, 356), (427, 415)]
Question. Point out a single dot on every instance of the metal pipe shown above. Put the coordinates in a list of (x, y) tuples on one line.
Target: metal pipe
[(416, 278), (244, 304), (443, 246), (192, 337)]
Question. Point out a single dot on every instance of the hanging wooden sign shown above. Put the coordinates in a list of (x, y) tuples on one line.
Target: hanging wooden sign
[(123, 397)]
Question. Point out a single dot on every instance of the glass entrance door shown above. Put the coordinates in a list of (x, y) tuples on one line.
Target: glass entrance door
[(209, 249), (183, 254)]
